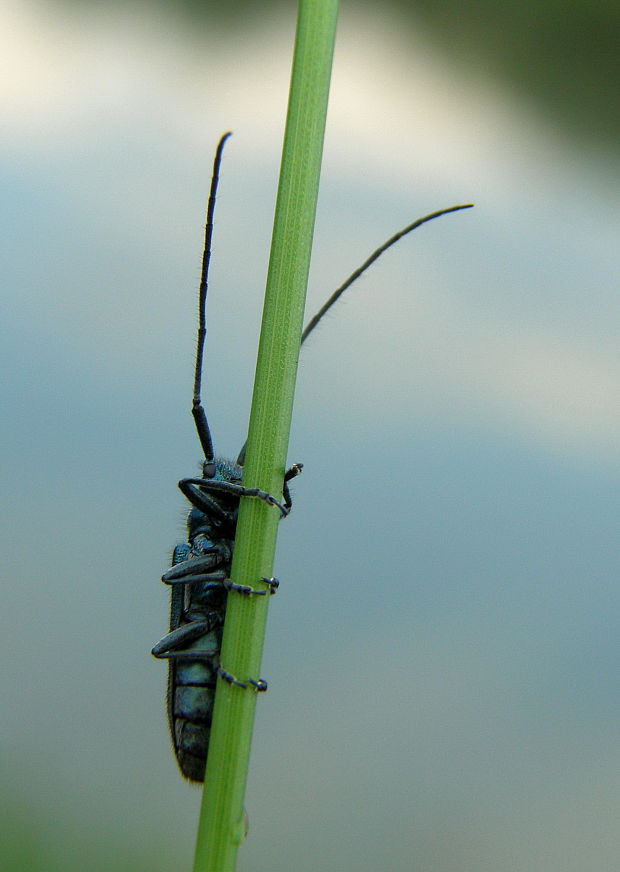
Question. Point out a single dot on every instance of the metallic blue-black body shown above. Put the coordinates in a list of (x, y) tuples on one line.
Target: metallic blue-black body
[(199, 580), (199, 577), (198, 606)]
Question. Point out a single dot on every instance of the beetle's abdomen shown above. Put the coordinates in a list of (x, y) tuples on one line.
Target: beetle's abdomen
[(193, 666), (193, 692)]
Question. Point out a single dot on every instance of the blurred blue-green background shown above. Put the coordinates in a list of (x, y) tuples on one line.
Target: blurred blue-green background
[(443, 652)]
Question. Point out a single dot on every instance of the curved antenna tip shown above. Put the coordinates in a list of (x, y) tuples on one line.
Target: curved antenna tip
[(373, 257)]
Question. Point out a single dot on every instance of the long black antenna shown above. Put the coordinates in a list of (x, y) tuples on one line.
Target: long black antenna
[(358, 272), (373, 257), (200, 417)]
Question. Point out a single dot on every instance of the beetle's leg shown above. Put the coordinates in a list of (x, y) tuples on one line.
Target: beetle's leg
[(262, 495), (197, 492), (193, 490), (295, 469), (246, 590), (193, 568), (259, 685), (177, 575), (179, 637)]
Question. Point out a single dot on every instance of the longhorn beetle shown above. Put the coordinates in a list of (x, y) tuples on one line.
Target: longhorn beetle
[(199, 577)]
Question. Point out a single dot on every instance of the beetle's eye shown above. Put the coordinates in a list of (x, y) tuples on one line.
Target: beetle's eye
[(208, 470)]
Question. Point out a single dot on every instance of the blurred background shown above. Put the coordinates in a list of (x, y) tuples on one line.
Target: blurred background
[(442, 651)]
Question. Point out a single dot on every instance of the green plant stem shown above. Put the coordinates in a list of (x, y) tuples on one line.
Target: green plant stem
[(222, 826)]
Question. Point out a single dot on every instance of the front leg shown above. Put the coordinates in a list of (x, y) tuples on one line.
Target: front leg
[(295, 470), (197, 491)]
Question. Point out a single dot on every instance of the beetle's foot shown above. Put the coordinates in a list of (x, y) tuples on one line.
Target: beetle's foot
[(246, 590), (259, 685)]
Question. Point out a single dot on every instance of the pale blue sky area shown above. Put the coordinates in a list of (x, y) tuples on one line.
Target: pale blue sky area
[(443, 652)]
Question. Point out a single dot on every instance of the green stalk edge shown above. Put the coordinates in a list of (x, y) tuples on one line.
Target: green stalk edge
[(222, 825)]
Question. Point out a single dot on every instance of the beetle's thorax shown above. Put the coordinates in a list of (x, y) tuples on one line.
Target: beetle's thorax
[(214, 527)]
